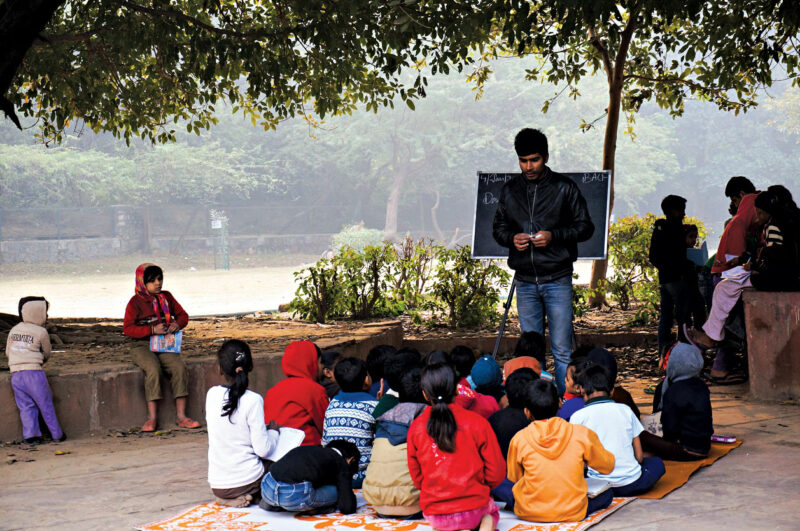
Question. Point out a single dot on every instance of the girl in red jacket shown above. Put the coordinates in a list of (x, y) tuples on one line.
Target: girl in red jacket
[(453, 458), (152, 311)]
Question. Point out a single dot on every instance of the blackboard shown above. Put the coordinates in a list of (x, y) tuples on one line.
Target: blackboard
[(595, 187)]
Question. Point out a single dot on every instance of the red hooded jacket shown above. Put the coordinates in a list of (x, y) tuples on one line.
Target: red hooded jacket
[(298, 401), (458, 481)]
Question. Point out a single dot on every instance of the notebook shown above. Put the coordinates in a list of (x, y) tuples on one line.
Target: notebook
[(596, 486), (166, 342), (289, 439)]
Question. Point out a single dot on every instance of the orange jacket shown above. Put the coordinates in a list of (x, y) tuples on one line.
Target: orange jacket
[(545, 461)]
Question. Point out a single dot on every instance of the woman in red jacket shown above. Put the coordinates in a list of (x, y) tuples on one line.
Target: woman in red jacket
[(149, 312), (453, 458)]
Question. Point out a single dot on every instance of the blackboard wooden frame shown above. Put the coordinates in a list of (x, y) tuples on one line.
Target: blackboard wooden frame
[(587, 181)]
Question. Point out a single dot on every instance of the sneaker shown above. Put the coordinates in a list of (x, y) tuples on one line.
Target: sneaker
[(62, 438), (33, 440)]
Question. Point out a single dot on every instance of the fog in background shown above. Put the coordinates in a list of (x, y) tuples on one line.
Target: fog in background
[(307, 181)]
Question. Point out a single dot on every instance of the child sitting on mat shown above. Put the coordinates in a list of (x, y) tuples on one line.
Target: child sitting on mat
[(27, 348), (685, 409), (298, 401), (238, 440), (152, 311), (327, 361), (349, 415), (618, 394), (618, 429), (546, 461), (312, 479), (388, 486), (453, 458), (573, 395)]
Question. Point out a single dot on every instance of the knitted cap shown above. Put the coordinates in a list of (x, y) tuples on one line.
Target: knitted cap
[(486, 371)]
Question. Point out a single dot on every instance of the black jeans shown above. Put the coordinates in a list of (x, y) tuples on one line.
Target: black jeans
[(674, 306)]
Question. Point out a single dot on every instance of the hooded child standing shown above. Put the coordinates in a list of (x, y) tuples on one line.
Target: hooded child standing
[(152, 311), (298, 401), (27, 348)]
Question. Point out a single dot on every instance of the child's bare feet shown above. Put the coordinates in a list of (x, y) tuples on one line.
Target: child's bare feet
[(487, 523), (241, 501)]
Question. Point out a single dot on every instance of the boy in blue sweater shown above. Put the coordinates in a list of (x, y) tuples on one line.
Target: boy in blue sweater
[(349, 415)]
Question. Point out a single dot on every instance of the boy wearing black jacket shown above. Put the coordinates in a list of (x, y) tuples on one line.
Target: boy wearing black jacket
[(312, 478), (668, 255)]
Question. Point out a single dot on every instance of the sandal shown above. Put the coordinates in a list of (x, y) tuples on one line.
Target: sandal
[(689, 334), (728, 379), (188, 424), (650, 390), (149, 426)]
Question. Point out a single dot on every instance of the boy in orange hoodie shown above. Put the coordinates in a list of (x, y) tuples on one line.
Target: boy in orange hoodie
[(298, 401), (546, 462)]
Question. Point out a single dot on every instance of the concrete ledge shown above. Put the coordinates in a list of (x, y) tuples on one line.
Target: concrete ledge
[(507, 344), (111, 396), (772, 321)]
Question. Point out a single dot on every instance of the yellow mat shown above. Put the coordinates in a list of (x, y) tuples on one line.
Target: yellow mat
[(678, 472), (213, 516)]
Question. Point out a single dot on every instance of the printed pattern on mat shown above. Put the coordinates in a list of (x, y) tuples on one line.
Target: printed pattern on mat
[(212, 516)]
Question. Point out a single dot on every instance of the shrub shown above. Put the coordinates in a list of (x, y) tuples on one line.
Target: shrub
[(413, 270), (467, 290), (318, 295), (365, 280), (357, 237)]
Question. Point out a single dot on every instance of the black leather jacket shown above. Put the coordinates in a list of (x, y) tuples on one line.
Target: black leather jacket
[(553, 203)]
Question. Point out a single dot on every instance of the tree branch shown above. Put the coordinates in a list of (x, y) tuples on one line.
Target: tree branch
[(603, 51)]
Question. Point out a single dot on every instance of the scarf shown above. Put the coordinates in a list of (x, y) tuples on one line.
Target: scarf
[(159, 301), (685, 361)]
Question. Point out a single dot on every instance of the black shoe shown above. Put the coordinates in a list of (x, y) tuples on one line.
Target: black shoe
[(271, 508), (33, 440), (62, 438)]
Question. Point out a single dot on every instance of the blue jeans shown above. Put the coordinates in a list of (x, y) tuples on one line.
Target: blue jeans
[(601, 501), (503, 493), (553, 299), (296, 496), (652, 470)]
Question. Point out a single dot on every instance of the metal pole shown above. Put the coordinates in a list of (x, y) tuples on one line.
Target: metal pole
[(507, 306)]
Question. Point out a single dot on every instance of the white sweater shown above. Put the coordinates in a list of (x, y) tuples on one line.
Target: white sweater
[(236, 443)]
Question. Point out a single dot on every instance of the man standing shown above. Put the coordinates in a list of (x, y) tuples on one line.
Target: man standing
[(541, 217)]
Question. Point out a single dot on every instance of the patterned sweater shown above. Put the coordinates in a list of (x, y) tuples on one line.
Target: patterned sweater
[(349, 417)]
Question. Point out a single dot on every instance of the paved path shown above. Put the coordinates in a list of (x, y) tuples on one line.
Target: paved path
[(118, 482)]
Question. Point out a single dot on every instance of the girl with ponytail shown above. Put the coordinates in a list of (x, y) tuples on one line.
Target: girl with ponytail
[(238, 439), (453, 458)]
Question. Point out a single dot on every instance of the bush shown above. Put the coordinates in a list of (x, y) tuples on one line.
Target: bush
[(634, 278), (467, 290), (365, 280), (413, 271), (357, 237), (319, 292)]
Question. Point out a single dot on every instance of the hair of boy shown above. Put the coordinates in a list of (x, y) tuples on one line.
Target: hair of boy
[(739, 184), (151, 273), (581, 352), (530, 141), (329, 358), (235, 362), (541, 400), (348, 450), (376, 359), (603, 357), (690, 228), (397, 365), (517, 386), (25, 300), (439, 383), (437, 357), (462, 359), (531, 344), (594, 379), (350, 374), (411, 386), (672, 202)]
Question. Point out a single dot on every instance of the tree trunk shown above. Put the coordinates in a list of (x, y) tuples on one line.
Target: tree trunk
[(615, 73), (393, 203)]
